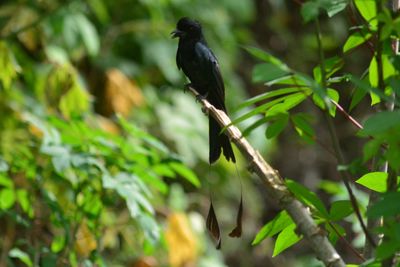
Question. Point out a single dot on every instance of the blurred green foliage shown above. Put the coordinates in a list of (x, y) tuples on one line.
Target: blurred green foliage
[(77, 188)]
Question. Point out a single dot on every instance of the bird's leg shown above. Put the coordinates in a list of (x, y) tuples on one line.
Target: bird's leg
[(200, 97)]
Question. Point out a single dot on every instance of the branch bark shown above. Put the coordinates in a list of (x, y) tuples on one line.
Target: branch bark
[(276, 188)]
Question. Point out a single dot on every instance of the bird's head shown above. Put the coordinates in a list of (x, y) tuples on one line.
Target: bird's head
[(187, 28)]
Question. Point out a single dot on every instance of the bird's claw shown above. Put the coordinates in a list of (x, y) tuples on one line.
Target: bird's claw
[(200, 97)]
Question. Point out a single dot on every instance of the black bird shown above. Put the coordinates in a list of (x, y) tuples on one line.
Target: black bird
[(200, 65)]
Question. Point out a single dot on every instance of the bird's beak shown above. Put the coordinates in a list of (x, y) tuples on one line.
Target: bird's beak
[(176, 33)]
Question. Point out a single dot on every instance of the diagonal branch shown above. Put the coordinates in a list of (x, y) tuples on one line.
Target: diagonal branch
[(276, 188)]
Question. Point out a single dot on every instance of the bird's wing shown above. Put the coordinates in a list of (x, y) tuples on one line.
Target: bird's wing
[(178, 60), (210, 66)]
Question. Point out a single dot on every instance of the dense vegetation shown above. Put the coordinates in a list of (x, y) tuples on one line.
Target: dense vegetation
[(103, 157)]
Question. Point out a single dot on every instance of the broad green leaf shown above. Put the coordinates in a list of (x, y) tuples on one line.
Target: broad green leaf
[(277, 126), (387, 248), (7, 198), (367, 9), (387, 206), (356, 39), (186, 173), (286, 239), (277, 224), (266, 72), (381, 122), (21, 255), (307, 197), (340, 209), (375, 181)]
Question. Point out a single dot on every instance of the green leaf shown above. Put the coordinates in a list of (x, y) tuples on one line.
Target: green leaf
[(355, 40), (266, 72), (333, 95), (333, 235), (7, 198), (186, 173), (303, 127), (267, 57), (277, 126), (21, 255), (280, 222), (373, 72), (288, 103), (367, 9), (376, 181), (307, 197), (267, 95), (58, 243), (286, 239), (381, 122), (88, 34), (363, 85), (387, 206), (356, 98), (23, 200), (340, 209), (371, 148), (310, 10), (75, 101), (333, 7)]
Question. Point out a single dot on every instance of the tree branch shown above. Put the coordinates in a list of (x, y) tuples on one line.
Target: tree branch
[(276, 188)]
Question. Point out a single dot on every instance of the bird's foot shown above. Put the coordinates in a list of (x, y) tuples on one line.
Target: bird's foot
[(200, 97)]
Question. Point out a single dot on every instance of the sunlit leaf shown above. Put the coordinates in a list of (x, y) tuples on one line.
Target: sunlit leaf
[(368, 10), (21, 255), (355, 40), (287, 238), (376, 181), (280, 222)]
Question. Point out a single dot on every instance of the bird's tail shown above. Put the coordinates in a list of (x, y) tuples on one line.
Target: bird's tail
[(219, 141)]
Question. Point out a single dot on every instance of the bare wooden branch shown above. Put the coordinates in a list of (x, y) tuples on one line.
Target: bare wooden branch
[(276, 188)]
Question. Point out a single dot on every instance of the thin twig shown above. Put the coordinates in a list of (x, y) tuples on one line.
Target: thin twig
[(335, 141)]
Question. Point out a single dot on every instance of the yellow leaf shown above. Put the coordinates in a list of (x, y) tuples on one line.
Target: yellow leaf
[(181, 241), (85, 241)]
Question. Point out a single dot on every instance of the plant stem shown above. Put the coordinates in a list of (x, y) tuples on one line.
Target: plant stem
[(335, 141)]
